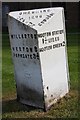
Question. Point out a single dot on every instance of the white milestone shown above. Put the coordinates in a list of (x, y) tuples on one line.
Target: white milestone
[(39, 53)]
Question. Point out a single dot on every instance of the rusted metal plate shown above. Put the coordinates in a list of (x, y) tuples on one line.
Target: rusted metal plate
[(38, 43)]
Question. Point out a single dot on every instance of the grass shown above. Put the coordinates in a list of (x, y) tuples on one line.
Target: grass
[(67, 107)]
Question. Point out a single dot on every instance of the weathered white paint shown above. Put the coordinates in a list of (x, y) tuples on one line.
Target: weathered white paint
[(43, 79)]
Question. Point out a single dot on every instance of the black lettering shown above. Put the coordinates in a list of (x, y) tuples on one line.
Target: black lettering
[(31, 56), (20, 13), (41, 49), (24, 12), (23, 20), (48, 10), (20, 18), (34, 56), (38, 56), (63, 43), (25, 56), (45, 48), (32, 36), (13, 48), (19, 36), (44, 10), (21, 55), (32, 12), (29, 12), (35, 49), (61, 31), (32, 17), (53, 33), (16, 55), (56, 38), (35, 36), (44, 20), (57, 32), (51, 14), (23, 48), (43, 41), (47, 17), (22, 36), (28, 35), (27, 49), (30, 22), (48, 33), (41, 11), (36, 16), (51, 40), (33, 25), (19, 48), (40, 16), (60, 44), (39, 24), (16, 36), (31, 50), (25, 35), (28, 55), (54, 46), (12, 36), (16, 49)]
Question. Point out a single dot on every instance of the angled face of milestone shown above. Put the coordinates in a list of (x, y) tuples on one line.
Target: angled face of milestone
[(38, 18)]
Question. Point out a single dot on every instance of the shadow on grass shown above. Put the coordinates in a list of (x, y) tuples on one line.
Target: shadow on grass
[(14, 106)]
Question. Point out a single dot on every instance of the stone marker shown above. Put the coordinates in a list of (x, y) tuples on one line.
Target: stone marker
[(38, 44)]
